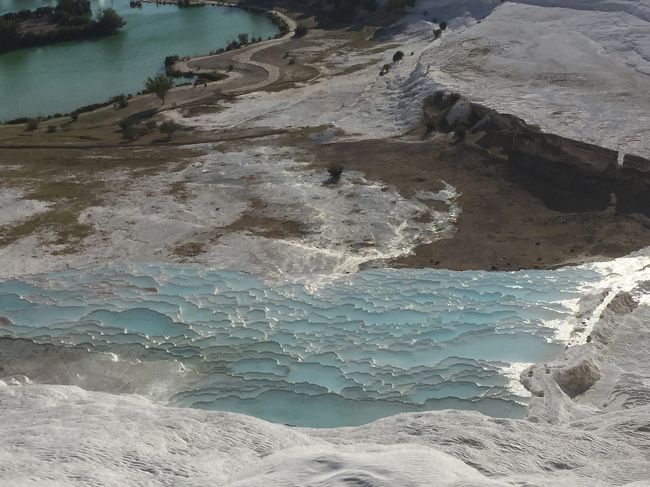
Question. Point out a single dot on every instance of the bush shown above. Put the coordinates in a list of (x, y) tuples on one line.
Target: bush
[(108, 21), (443, 25), (171, 60), (18, 121), (168, 128), (335, 172), (212, 76), (31, 125), (398, 56), (437, 33), (66, 10)]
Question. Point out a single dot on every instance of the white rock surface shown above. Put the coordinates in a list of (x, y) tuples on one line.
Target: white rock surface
[(582, 71)]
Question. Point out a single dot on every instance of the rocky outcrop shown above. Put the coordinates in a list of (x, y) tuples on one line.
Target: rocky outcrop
[(633, 187), (566, 174), (577, 377)]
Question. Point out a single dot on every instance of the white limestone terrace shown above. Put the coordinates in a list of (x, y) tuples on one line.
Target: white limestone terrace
[(63, 435), (345, 225), (578, 68), (589, 425), (580, 72), (16, 208)]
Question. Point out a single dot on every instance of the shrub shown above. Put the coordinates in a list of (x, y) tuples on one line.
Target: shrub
[(437, 33), (52, 128), (243, 38), (168, 128), (335, 172), (171, 60), (370, 5), (31, 125), (18, 121), (443, 25), (108, 21), (398, 56), (130, 132)]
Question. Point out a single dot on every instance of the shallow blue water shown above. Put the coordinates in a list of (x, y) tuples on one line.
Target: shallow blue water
[(375, 344)]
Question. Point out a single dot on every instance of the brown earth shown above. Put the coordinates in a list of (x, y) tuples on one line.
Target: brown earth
[(503, 226)]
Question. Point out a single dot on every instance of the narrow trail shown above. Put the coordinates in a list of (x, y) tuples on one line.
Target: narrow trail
[(244, 56)]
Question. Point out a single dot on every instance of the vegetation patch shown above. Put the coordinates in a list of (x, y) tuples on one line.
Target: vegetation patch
[(191, 249)]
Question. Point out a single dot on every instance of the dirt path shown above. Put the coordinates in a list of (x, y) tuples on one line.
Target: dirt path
[(253, 75)]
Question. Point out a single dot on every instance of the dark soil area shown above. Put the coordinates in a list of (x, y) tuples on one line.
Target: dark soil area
[(503, 225)]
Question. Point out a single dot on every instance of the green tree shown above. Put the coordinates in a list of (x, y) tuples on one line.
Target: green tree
[(160, 85), (108, 20), (72, 12), (8, 32)]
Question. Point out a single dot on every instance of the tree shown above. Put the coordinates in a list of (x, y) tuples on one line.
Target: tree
[(398, 56), (243, 38), (72, 12), (168, 128), (31, 125), (8, 32), (160, 85), (370, 5), (108, 20), (73, 8)]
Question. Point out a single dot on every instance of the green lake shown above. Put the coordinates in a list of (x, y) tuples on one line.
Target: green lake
[(61, 77)]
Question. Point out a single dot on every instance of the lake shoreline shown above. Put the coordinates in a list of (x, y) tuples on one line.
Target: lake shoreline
[(24, 116)]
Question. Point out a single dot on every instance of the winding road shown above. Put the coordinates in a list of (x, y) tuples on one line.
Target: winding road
[(253, 75)]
